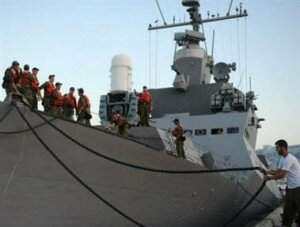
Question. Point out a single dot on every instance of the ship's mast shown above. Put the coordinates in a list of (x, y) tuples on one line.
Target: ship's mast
[(196, 19), (192, 63)]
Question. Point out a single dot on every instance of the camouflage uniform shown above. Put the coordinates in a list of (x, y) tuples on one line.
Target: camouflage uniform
[(56, 104), (178, 133), (144, 107), (26, 89), (10, 82), (123, 125), (47, 98), (69, 106), (83, 110), (144, 112)]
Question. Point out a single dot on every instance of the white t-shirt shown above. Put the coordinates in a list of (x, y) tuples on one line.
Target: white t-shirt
[(292, 166)]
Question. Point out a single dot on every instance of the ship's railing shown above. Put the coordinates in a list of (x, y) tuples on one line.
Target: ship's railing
[(195, 153)]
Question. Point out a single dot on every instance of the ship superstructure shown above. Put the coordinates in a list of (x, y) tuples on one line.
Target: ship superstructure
[(219, 118)]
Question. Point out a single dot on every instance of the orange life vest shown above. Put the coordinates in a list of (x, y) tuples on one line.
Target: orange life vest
[(178, 132), (49, 89), (58, 101), (35, 83), (88, 104), (25, 79), (145, 97), (70, 100)]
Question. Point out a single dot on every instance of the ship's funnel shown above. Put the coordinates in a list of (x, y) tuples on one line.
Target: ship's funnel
[(121, 77)]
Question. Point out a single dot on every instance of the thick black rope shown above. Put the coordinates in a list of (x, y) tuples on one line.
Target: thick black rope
[(257, 200), (6, 114), (247, 204), (142, 167), (73, 174), (25, 130)]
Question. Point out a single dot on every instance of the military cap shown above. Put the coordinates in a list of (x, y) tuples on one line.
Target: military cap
[(58, 83), (80, 90), (15, 63)]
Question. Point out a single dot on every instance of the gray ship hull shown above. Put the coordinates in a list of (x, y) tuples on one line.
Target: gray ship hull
[(37, 191)]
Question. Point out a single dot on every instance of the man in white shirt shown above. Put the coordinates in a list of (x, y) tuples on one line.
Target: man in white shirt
[(288, 167)]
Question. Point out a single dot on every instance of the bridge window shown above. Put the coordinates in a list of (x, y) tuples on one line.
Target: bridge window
[(233, 130), (200, 132), (217, 131)]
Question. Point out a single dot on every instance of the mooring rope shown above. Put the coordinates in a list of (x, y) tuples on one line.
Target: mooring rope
[(253, 198), (73, 174), (247, 204), (6, 114), (25, 130), (142, 167)]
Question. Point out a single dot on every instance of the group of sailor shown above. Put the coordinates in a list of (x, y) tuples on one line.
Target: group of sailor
[(25, 82), (145, 107)]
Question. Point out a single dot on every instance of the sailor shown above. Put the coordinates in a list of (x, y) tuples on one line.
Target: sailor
[(57, 101), (11, 79), (112, 126), (26, 80), (35, 88), (180, 138), (145, 106), (48, 89), (69, 104), (288, 167), (122, 123), (83, 108)]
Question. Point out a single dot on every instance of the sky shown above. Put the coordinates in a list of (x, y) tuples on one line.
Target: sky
[(76, 40)]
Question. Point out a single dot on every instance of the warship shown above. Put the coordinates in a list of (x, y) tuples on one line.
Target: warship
[(57, 172)]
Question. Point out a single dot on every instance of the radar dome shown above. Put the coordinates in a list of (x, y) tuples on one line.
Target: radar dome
[(121, 78)]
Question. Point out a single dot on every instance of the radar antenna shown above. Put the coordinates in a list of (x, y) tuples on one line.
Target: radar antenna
[(196, 20)]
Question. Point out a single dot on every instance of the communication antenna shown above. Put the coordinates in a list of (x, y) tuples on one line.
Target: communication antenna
[(228, 12), (156, 54), (162, 16), (213, 44)]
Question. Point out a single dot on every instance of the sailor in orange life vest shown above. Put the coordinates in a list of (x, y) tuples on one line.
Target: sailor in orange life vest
[(35, 88), (69, 104), (11, 79), (145, 106), (48, 89), (83, 108), (25, 82), (180, 138), (57, 101)]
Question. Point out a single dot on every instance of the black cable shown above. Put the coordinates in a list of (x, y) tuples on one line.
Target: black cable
[(72, 173), (247, 204), (6, 114), (25, 130), (141, 167), (257, 200)]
